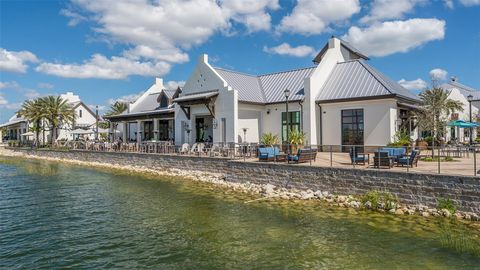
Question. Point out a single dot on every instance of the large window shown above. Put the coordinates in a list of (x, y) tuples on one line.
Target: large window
[(352, 127), (293, 123)]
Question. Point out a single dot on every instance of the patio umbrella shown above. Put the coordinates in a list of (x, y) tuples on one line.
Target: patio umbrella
[(462, 124)]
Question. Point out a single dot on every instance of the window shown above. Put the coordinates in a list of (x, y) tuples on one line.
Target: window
[(163, 101), (80, 113), (352, 127), (293, 121)]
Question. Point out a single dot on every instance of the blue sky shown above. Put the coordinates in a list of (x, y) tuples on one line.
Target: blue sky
[(107, 50)]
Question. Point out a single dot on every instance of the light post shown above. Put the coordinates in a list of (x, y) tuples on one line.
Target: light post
[(244, 134), (287, 94), (96, 123), (470, 98)]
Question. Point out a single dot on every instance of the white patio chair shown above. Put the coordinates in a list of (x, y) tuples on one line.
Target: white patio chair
[(193, 149), (185, 148), (200, 148)]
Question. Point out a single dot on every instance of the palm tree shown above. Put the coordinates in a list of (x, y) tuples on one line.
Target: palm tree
[(57, 112), (33, 112), (117, 108), (437, 107)]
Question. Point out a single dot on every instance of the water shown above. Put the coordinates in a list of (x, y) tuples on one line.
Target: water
[(59, 216)]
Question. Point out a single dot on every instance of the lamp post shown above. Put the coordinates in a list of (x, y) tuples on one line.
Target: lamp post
[(96, 123), (470, 98), (287, 94)]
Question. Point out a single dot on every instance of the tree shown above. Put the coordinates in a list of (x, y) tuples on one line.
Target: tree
[(34, 112), (117, 108), (57, 112), (436, 110)]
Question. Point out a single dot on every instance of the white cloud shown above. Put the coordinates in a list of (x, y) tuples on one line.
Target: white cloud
[(417, 84), (31, 93), (390, 9), (93, 107), (173, 85), (470, 3), (13, 106), (251, 13), (16, 61), (127, 98), (449, 4), (101, 67), (395, 36), (75, 18), (45, 85), (3, 100), (286, 49), (9, 85), (310, 17), (438, 74)]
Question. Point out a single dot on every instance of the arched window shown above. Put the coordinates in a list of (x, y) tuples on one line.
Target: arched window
[(163, 101)]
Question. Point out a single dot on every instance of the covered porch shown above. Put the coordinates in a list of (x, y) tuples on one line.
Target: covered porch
[(157, 125)]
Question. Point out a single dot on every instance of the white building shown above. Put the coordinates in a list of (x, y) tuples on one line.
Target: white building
[(149, 118), (461, 93), (340, 100), (18, 127)]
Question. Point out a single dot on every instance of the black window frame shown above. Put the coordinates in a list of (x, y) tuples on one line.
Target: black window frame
[(352, 120), (294, 123)]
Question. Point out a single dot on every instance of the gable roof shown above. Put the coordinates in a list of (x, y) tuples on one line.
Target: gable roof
[(356, 79), (267, 88), (344, 45), (464, 90)]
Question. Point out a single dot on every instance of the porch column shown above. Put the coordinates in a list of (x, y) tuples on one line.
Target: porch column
[(111, 132), (139, 131), (124, 133), (1, 136), (156, 132)]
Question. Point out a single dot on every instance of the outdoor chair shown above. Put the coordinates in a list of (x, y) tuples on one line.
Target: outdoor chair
[(270, 154), (410, 160), (193, 149), (200, 149), (382, 159), (303, 155), (358, 158), (395, 152), (214, 150), (185, 148)]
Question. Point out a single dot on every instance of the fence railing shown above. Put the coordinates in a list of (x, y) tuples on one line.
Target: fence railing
[(445, 159)]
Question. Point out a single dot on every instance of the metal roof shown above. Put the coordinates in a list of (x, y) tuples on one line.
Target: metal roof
[(169, 93), (356, 79), (14, 122), (195, 96), (267, 88), (248, 86), (464, 90)]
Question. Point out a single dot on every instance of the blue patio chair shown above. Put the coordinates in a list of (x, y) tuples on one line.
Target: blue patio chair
[(359, 158), (270, 154), (409, 160), (395, 152)]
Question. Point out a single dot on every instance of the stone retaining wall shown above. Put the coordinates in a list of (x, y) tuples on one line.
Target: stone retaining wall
[(411, 188)]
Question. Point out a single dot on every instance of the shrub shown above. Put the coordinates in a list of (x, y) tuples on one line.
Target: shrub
[(296, 137), (378, 198), (401, 139), (448, 204), (269, 139)]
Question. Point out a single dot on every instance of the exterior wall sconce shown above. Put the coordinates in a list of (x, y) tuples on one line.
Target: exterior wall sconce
[(214, 123), (268, 111)]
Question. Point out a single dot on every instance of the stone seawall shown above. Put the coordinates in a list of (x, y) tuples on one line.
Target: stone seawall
[(411, 188)]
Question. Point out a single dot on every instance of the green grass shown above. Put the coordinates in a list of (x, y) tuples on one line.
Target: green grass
[(448, 204), (459, 241), (435, 159)]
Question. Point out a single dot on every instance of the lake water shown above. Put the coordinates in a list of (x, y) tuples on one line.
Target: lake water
[(60, 216)]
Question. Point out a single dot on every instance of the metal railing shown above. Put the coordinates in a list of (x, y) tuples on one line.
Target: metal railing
[(445, 159)]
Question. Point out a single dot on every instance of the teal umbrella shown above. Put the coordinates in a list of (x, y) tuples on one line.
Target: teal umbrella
[(462, 124)]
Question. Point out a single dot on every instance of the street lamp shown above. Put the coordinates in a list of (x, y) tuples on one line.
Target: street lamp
[(470, 98), (287, 94), (96, 123)]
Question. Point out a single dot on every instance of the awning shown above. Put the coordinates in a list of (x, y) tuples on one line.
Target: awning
[(205, 98), (409, 106), (198, 98), (462, 124), (165, 113), (27, 134)]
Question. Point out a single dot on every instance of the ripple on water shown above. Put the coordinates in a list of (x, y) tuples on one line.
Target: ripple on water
[(63, 216)]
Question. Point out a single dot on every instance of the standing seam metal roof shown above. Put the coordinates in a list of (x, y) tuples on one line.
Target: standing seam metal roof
[(267, 88), (356, 79)]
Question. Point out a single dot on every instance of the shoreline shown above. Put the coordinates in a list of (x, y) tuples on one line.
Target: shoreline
[(266, 191)]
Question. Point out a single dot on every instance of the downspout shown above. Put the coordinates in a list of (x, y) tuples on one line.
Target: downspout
[(320, 124), (301, 114)]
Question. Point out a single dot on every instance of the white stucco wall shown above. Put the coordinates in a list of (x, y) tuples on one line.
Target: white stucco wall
[(455, 94), (205, 78), (379, 121), (251, 117)]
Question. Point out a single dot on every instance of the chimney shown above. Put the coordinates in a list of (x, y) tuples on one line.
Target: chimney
[(159, 81), (203, 58)]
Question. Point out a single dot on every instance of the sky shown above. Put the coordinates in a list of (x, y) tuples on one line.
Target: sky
[(106, 50)]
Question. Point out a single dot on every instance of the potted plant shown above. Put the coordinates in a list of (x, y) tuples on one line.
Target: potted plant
[(296, 139), (269, 139)]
